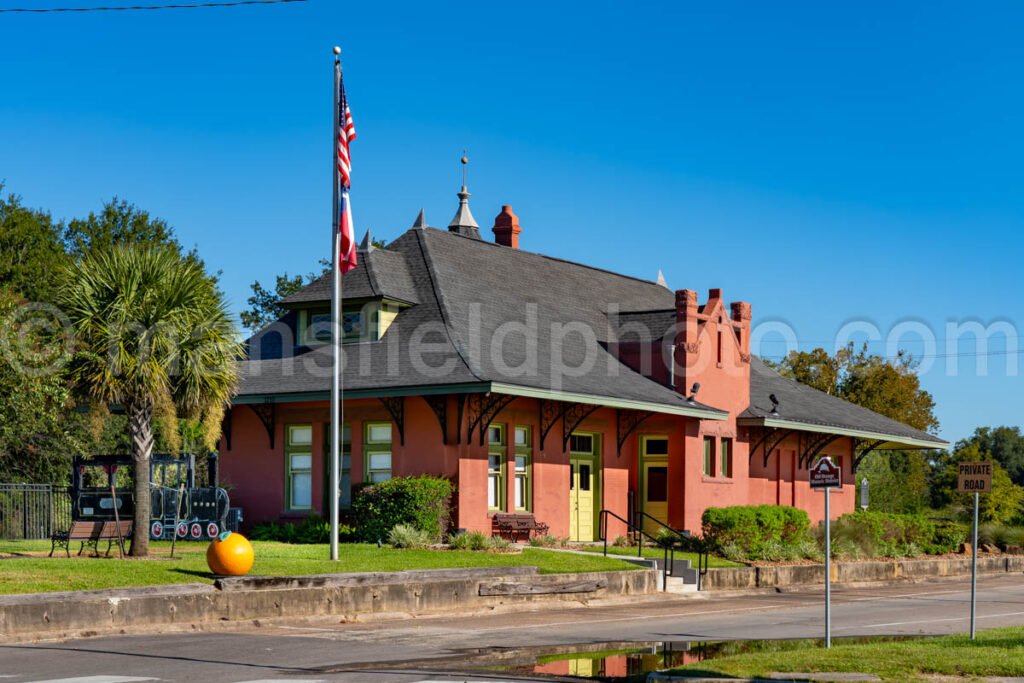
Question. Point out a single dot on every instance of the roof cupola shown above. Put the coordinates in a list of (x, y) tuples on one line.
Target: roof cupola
[(463, 223)]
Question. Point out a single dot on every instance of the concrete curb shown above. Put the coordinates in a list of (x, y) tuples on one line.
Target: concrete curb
[(887, 571), (89, 613)]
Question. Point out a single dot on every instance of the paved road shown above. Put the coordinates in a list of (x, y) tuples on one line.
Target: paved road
[(430, 649)]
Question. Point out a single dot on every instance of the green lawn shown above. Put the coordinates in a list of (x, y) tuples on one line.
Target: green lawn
[(659, 553), (996, 652), (23, 571)]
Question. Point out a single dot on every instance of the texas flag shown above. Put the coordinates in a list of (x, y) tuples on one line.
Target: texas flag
[(347, 259)]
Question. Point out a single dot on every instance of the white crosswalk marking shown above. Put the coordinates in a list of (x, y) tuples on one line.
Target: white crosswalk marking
[(99, 679)]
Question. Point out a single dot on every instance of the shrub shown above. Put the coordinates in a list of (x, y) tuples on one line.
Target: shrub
[(473, 540), (549, 541), (885, 534), (947, 538), (423, 503), (750, 528), (407, 536), (498, 543), (313, 529), (623, 542)]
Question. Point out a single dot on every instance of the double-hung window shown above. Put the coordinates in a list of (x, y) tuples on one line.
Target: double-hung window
[(524, 454), (709, 456), (298, 454), (496, 454), (377, 452), (345, 485), (725, 457)]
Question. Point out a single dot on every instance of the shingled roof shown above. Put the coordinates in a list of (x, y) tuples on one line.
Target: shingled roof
[(805, 408), (471, 294), (381, 273), (467, 291)]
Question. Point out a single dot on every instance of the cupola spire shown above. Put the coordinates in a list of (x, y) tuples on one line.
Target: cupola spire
[(463, 223)]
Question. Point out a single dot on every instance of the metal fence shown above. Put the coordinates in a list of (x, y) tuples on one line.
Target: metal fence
[(33, 511)]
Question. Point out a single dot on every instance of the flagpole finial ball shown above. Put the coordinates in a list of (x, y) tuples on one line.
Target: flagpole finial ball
[(337, 50), (465, 159)]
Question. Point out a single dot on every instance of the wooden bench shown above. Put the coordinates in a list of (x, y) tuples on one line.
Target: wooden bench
[(90, 534), (517, 525)]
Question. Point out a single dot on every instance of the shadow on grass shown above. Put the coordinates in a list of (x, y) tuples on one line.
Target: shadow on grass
[(195, 572), (700, 673)]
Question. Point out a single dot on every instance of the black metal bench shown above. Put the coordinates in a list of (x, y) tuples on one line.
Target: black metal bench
[(90, 534), (517, 525)]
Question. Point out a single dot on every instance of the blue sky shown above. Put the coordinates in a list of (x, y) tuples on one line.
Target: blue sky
[(828, 162)]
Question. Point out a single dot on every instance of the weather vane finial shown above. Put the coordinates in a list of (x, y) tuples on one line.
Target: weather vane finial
[(465, 162)]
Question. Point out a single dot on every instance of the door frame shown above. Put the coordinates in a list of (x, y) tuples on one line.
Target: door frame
[(594, 457), (644, 461)]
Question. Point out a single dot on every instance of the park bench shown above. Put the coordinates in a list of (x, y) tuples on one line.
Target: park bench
[(517, 525), (90, 534)]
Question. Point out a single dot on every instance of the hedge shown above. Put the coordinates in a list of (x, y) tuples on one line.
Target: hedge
[(887, 534), (423, 503), (751, 527)]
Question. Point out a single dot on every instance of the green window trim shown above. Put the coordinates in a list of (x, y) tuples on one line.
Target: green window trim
[(298, 467), (708, 467), (314, 324), (725, 459), (523, 489), (345, 476), (377, 467), (497, 454)]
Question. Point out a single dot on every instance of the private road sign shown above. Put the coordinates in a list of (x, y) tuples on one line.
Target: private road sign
[(974, 477), (825, 474)]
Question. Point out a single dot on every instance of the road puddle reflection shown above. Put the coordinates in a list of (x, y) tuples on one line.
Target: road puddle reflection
[(632, 662)]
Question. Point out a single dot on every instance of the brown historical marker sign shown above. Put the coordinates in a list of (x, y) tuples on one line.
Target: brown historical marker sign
[(825, 474), (974, 477)]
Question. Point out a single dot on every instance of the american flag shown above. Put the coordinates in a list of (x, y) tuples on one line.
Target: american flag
[(346, 134)]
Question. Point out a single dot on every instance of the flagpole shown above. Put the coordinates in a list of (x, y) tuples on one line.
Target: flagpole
[(336, 322)]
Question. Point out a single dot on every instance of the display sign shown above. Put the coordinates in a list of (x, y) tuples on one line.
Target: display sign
[(825, 474), (974, 477)]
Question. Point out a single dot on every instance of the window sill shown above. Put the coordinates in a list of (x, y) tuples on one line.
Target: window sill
[(705, 479)]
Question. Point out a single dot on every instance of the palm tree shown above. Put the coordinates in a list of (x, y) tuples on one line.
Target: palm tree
[(153, 335)]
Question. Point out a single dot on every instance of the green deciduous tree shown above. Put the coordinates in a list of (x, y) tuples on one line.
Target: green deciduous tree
[(889, 386), (1003, 505), (1004, 444), (898, 479), (263, 304), (31, 250), (153, 335), (39, 430), (118, 223)]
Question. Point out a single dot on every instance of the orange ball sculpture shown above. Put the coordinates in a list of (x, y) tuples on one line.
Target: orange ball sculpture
[(230, 555)]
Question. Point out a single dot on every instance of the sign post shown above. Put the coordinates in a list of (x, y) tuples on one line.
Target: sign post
[(976, 478), (826, 475)]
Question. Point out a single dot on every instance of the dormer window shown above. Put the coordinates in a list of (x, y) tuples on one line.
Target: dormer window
[(360, 322)]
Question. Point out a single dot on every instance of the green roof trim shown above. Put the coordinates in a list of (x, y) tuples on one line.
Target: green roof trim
[(891, 440), (703, 413), (588, 399)]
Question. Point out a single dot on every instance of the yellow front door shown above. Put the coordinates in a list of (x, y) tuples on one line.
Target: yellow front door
[(581, 499), (655, 502)]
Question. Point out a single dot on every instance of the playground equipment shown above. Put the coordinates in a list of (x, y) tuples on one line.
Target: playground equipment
[(101, 490)]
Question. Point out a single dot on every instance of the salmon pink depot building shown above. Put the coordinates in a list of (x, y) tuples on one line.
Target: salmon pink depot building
[(537, 385)]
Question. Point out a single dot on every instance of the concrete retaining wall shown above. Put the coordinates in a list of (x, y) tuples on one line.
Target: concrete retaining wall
[(739, 578), (92, 612)]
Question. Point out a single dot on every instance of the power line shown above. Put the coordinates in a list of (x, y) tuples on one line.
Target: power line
[(966, 354), (128, 8)]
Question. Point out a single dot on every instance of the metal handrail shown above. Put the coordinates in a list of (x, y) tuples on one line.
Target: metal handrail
[(684, 538), (668, 565)]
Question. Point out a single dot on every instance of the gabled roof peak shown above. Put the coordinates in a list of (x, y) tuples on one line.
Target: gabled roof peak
[(367, 243)]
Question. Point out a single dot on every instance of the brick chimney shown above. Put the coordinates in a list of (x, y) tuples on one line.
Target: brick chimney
[(506, 228), (712, 348)]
